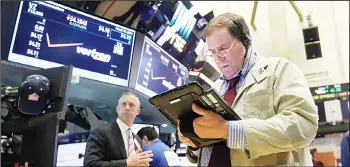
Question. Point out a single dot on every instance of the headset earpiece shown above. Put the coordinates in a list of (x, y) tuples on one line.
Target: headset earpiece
[(245, 38), (246, 41)]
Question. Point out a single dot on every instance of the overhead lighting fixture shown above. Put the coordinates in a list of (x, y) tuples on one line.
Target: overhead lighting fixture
[(165, 125)]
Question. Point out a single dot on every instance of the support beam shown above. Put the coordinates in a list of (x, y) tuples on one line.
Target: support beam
[(253, 15), (296, 9)]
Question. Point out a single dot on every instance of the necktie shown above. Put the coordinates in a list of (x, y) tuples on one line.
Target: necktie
[(131, 146), (230, 94), (220, 156)]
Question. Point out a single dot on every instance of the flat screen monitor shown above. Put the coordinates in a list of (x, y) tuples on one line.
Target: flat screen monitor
[(158, 71), (333, 111), (71, 154), (136, 127), (49, 34)]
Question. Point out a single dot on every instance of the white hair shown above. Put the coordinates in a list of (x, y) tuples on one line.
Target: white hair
[(130, 94)]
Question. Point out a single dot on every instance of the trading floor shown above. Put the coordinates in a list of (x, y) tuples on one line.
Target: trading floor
[(174, 83)]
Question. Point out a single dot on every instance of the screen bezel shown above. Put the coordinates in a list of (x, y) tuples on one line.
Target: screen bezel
[(83, 73), (143, 89)]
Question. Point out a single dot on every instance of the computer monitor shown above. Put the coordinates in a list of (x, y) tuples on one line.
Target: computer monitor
[(333, 111), (158, 71), (48, 34), (71, 154), (176, 26)]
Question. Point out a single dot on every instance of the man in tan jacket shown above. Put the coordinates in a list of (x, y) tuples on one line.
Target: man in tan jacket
[(271, 95)]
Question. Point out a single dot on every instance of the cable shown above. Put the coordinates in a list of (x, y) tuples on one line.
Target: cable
[(110, 5)]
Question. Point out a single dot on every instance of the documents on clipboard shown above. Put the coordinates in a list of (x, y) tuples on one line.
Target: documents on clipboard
[(177, 104)]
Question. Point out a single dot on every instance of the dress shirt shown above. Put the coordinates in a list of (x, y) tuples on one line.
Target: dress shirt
[(124, 130), (235, 138)]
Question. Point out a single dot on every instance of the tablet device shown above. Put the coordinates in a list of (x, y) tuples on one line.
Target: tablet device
[(177, 104)]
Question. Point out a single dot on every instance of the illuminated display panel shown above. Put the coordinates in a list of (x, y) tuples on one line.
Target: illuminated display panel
[(48, 34), (158, 71)]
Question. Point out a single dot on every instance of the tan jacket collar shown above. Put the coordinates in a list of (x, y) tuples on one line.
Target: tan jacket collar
[(255, 75)]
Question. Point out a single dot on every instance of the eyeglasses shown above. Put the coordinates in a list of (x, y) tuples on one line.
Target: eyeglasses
[(222, 53)]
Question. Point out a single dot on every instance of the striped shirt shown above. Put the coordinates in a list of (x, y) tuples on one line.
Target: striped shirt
[(235, 138)]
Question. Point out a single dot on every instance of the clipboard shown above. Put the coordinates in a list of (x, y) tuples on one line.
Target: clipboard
[(177, 104)]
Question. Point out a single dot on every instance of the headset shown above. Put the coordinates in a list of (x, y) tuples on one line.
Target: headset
[(244, 38)]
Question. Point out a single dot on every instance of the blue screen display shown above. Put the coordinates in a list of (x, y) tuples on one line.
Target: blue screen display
[(48, 34), (158, 71)]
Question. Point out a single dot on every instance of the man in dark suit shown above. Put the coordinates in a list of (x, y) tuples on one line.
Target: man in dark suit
[(116, 145)]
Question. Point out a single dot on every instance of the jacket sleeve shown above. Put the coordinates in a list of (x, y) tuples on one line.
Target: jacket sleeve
[(95, 152), (296, 121)]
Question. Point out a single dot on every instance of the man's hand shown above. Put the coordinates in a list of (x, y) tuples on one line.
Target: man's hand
[(184, 139), (209, 124), (139, 158)]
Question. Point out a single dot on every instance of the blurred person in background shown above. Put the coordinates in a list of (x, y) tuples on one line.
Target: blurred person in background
[(116, 145), (135, 11), (270, 94), (162, 155), (345, 150), (315, 163)]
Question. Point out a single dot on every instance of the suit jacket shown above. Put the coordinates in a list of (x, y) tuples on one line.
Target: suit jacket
[(105, 147), (278, 114)]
